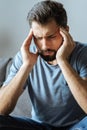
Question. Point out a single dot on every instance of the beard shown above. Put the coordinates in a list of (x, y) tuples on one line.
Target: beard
[(48, 57)]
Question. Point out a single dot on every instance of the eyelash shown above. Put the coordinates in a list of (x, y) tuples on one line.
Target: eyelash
[(50, 37)]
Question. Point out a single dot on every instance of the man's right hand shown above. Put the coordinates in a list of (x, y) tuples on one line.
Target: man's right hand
[(15, 87), (29, 58)]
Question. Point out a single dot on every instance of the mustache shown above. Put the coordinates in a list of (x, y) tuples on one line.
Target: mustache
[(43, 51)]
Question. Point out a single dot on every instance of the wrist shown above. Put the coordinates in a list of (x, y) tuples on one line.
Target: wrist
[(62, 62), (27, 67)]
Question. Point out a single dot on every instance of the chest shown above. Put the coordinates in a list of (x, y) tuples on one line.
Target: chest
[(48, 85)]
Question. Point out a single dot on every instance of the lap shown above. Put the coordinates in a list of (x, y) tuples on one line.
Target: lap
[(23, 123), (19, 123)]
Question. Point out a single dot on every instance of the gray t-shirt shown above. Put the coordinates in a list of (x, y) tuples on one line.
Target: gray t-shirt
[(52, 101)]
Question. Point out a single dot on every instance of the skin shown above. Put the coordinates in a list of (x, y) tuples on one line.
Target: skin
[(47, 37), (52, 37)]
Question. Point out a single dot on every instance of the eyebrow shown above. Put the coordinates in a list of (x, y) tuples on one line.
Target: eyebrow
[(54, 33), (48, 35)]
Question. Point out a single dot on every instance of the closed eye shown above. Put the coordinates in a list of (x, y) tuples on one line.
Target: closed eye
[(51, 37), (47, 37)]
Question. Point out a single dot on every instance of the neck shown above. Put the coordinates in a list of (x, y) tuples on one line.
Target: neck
[(54, 62)]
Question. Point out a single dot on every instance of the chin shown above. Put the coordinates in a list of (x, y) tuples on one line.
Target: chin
[(48, 58)]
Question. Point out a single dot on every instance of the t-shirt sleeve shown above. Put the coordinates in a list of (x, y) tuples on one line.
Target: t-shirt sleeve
[(82, 62), (16, 64)]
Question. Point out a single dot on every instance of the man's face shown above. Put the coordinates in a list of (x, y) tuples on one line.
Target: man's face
[(47, 39)]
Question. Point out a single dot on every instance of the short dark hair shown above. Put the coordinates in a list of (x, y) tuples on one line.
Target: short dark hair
[(47, 10)]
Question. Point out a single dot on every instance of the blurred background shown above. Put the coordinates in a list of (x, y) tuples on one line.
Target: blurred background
[(14, 26)]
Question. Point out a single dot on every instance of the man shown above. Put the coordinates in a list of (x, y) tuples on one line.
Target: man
[(54, 68)]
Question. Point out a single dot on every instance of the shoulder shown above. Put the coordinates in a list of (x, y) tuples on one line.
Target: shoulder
[(80, 47), (16, 62), (78, 58), (79, 55), (79, 51)]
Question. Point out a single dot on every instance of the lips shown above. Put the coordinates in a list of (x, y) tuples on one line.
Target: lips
[(48, 52)]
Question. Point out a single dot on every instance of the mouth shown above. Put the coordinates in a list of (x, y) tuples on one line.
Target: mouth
[(47, 52), (47, 55)]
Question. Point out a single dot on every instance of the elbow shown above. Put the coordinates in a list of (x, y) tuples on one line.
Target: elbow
[(4, 111)]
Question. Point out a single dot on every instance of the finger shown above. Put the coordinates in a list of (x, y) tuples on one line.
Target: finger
[(65, 34), (62, 34), (29, 37)]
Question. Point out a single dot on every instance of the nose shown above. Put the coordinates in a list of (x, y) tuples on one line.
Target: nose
[(45, 44)]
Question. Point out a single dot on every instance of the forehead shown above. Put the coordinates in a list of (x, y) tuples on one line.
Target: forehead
[(44, 30)]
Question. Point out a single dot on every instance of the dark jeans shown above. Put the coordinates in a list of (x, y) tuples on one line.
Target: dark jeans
[(17, 123)]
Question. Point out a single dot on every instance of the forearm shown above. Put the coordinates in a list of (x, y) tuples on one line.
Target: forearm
[(10, 94), (77, 85)]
